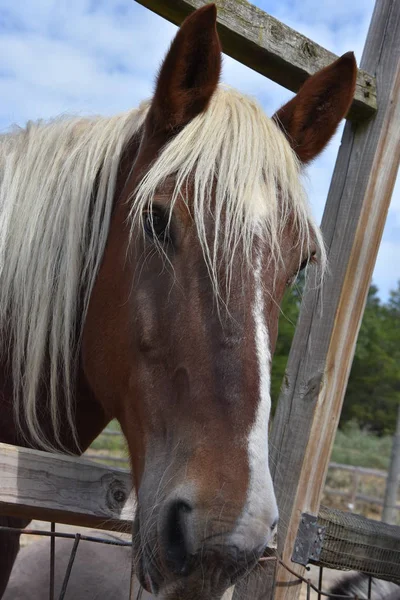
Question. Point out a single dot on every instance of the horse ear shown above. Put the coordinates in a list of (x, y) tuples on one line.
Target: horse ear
[(189, 74), (310, 119)]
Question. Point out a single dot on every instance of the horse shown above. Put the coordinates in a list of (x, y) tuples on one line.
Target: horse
[(358, 585), (143, 260)]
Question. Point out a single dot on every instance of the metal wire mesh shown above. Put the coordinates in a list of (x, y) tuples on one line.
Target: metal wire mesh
[(77, 538), (352, 542)]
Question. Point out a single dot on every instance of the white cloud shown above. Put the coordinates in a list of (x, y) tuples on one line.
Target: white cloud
[(71, 58)]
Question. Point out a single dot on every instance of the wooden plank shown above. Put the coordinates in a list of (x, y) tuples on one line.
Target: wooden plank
[(269, 47), (357, 497), (354, 542), (64, 489), (362, 470), (320, 360)]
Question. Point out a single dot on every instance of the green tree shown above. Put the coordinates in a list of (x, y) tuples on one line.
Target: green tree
[(287, 324), (373, 391)]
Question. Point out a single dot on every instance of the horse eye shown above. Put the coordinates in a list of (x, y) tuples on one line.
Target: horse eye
[(155, 224), (304, 264), (307, 261)]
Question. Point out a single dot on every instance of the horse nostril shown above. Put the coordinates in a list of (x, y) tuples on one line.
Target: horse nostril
[(275, 524), (176, 537)]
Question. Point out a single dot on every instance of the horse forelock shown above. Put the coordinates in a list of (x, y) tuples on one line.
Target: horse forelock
[(233, 162)]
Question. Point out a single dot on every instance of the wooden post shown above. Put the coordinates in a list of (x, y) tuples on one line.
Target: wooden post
[(322, 352), (389, 514), (355, 482)]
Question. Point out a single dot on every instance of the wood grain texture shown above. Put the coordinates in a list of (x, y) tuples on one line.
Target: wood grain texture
[(52, 487), (269, 47), (322, 351)]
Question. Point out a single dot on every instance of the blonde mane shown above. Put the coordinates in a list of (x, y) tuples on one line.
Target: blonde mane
[(57, 187)]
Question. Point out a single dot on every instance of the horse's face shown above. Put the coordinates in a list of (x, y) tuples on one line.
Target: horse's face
[(201, 376), (186, 374)]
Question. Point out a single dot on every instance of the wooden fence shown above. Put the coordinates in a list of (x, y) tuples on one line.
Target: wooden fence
[(352, 493), (320, 360), (79, 492)]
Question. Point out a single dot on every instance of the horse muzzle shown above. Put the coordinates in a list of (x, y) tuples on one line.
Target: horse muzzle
[(187, 559)]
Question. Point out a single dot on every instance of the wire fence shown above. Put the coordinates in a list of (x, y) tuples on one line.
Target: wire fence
[(319, 588), (69, 568), (77, 538)]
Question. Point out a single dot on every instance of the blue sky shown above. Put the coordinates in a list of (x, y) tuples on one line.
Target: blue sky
[(101, 56)]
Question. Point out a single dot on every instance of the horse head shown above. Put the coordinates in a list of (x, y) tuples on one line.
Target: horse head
[(208, 229)]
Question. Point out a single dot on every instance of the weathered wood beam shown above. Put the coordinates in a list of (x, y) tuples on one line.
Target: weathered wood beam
[(322, 351), (271, 48), (52, 487)]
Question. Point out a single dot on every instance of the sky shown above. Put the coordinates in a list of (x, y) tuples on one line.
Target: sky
[(90, 57)]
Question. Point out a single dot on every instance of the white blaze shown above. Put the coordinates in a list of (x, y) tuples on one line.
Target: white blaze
[(261, 499), (260, 510)]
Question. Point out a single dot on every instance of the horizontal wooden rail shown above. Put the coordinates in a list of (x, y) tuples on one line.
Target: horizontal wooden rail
[(358, 497), (269, 47), (360, 470), (352, 494), (64, 489)]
